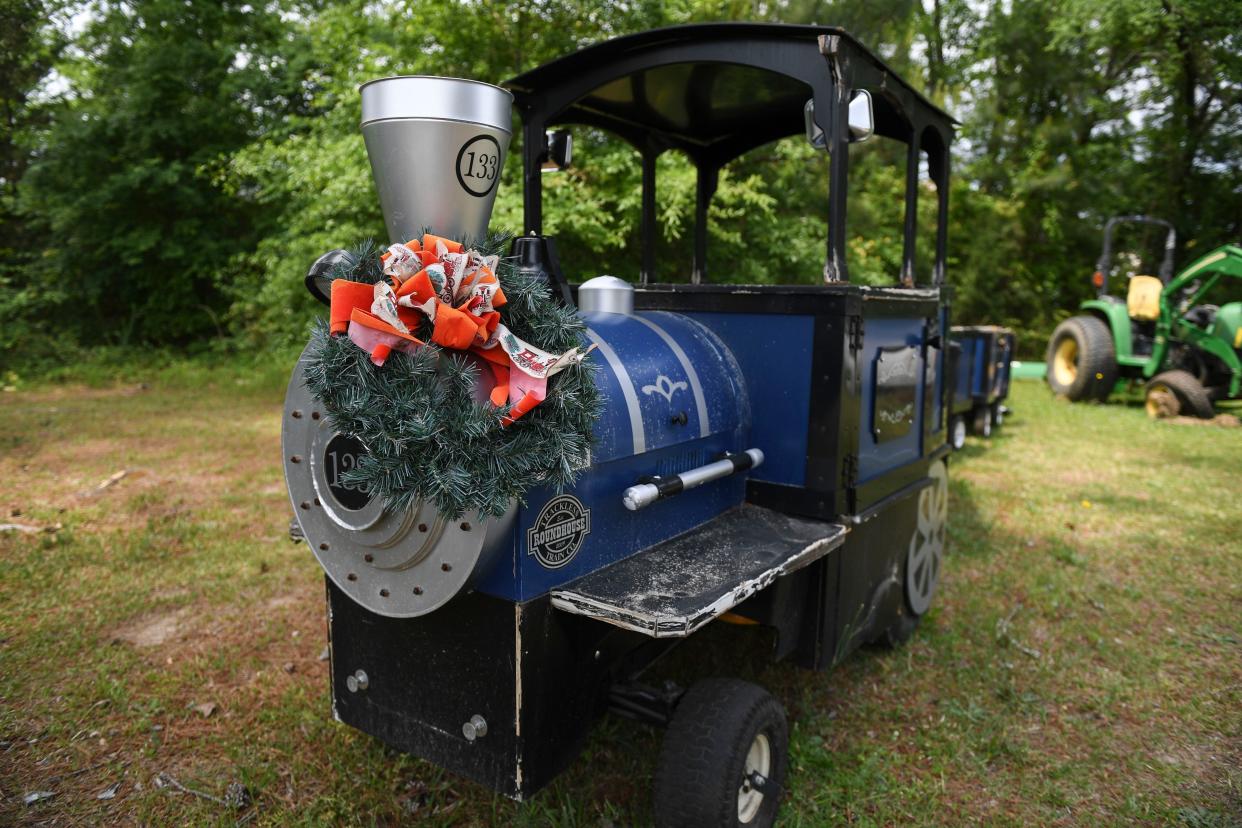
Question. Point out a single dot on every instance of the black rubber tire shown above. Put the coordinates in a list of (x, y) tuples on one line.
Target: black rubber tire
[(983, 421), (1191, 395), (998, 416), (1096, 363), (957, 432), (704, 755)]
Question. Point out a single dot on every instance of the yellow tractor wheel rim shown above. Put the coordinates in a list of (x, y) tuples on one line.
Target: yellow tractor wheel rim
[(1161, 401), (1065, 362)]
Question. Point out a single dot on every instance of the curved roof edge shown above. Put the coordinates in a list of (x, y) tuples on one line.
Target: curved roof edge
[(552, 73)]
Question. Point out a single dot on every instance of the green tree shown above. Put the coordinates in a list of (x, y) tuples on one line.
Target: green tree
[(1077, 111), (29, 45), (126, 180), (315, 181), (1179, 65), (202, 154)]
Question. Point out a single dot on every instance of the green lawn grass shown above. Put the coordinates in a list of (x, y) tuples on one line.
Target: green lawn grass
[(1082, 663)]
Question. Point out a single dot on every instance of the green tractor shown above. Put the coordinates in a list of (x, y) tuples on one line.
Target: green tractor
[(1181, 334)]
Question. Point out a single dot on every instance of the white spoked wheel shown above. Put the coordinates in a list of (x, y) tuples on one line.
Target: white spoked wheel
[(927, 542), (758, 761)]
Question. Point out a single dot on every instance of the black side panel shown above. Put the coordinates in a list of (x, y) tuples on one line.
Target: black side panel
[(795, 500), (872, 576), (428, 676), (826, 611), (833, 422), (1005, 363), (800, 608), (567, 666)]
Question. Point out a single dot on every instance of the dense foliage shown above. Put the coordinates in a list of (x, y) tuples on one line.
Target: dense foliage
[(169, 169)]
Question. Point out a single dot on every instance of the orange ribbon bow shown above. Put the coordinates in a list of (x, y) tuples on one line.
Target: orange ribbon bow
[(458, 291)]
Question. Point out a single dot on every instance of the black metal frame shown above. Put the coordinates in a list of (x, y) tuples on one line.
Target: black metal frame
[(1105, 263), (828, 61)]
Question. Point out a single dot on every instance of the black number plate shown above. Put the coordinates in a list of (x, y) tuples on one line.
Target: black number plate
[(341, 455)]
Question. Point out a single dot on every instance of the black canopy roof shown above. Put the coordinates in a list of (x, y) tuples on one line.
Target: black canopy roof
[(716, 89)]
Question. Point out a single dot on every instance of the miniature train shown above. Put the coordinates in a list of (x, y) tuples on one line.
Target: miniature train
[(980, 361), (770, 453)]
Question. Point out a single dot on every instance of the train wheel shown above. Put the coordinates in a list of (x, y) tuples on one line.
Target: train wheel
[(957, 433), (724, 758), (898, 632), (928, 541), (983, 421)]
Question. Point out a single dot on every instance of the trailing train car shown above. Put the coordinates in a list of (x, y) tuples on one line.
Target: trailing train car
[(771, 454), (980, 361)]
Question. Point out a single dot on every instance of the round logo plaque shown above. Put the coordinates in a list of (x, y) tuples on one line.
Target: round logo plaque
[(559, 531)]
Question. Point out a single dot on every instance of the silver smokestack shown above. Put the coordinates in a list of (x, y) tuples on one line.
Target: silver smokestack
[(437, 146)]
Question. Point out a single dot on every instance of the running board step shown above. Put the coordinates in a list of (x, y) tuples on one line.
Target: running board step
[(676, 587)]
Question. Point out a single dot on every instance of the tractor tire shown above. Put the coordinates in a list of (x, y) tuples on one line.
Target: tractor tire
[(1178, 392), (1082, 362), (724, 758)]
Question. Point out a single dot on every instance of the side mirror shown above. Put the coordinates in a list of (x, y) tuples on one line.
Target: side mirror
[(862, 121), (560, 150)]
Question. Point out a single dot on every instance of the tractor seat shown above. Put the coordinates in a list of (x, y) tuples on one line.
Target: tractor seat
[(1143, 298)]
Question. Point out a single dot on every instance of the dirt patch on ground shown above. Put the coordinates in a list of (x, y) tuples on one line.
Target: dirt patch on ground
[(119, 468), (151, 630), (1222, 420), (80, 392)]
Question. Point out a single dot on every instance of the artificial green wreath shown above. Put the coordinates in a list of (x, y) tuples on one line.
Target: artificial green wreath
[(427, 438)]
